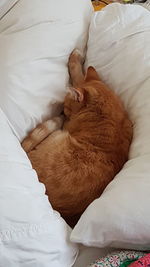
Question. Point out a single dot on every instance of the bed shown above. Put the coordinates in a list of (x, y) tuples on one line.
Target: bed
[(36, 40)]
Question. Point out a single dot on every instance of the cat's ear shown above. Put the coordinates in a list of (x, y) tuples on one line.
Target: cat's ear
[(77, 93), (91, 74)]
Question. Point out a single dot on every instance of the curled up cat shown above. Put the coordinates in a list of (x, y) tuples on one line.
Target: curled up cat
[(77, 155)]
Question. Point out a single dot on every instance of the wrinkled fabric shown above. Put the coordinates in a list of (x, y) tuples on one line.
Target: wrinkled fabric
[(118, 259), (36, 40)]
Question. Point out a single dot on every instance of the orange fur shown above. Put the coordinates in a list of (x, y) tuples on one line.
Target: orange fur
[(78, 162)]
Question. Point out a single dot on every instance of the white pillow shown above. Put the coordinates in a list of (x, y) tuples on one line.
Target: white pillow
[(31, 233), (36, 39), (119, 48), (5, 6)]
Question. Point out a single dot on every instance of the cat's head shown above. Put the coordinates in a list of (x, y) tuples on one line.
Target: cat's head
[(91, 94)]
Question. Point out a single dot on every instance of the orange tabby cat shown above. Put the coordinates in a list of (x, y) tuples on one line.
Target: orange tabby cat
[(78, 162)]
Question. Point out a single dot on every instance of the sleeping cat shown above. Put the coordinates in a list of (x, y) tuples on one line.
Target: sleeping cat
[(77, 162)]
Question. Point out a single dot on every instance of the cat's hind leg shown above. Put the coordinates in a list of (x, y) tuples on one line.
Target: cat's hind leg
[(36, 136)]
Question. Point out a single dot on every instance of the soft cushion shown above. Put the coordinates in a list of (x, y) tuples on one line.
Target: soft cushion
[(31, 233), (119, 49), (36, 39), (5, 6)]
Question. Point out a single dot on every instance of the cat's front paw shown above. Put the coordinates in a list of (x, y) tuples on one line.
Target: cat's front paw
[(75, 57)]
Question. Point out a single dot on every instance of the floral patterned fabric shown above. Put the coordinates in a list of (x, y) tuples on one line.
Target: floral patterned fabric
[(142, 262), (118, 258), (127, 263)]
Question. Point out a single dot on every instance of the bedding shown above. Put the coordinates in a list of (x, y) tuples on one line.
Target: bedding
[(144, 261), (118, 259), (34, 50), (120, 37), (35, 42), (5, 6), (89, 254), (31, 232), (145, 5)]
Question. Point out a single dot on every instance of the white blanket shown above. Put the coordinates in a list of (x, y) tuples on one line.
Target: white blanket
[(31, 233), (36, 38)]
